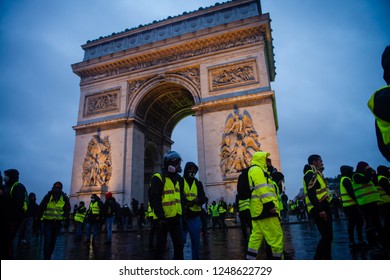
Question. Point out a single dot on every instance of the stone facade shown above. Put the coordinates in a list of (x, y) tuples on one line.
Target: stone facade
[(135, 86)]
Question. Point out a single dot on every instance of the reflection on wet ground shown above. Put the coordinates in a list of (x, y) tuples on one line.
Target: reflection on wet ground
[(301, 239)]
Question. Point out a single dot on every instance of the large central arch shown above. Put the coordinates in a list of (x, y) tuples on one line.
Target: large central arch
[(215, 63)]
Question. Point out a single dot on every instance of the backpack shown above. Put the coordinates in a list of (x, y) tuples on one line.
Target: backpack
[(244, 190)]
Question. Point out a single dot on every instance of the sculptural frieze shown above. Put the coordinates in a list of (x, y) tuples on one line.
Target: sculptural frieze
[(193, 74), (235, 75), (239, 142), (101, 102), (97, 166), (227, 42)]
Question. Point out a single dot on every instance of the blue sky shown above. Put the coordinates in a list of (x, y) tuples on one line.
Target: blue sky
[(327, 57)]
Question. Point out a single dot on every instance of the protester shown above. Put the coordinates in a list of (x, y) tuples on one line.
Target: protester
[(54, 210), (165, 200)]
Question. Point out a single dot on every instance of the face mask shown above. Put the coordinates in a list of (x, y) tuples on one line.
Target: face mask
[(171, 169), (191, 174)]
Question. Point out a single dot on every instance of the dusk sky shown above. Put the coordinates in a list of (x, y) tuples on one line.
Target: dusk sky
[(327, 58)]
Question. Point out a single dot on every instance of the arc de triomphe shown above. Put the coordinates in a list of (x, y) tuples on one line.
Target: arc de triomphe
[(215, 63)]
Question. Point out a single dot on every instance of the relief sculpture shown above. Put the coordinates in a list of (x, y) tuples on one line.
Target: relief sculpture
[(239, 142), (97, 167)]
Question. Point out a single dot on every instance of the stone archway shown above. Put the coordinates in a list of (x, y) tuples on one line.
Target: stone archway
[(135, 86)]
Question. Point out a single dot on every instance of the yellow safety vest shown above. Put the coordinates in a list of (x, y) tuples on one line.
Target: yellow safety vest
[(79, 217), (322, 193), (54, 209), (346, 200), (190, 194), (150, 213), (243, 204), (365, 193), (171, 201), (384, 197), (383, 125), (94, 208), (214, 210), (26, 200), (263, 192)]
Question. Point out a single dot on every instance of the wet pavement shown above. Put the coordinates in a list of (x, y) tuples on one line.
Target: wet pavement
[(301, 238)]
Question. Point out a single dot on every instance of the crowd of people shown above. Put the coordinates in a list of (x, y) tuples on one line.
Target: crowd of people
[(178, 205)]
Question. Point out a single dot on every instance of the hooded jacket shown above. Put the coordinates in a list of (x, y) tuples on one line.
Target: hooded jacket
[(200, 199), (263, 200), (348, 197), (14, 197), (379, 104)]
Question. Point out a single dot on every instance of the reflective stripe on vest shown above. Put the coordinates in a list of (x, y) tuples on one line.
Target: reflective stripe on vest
[(221, 209), (94, 207), (383, 125), (54, 210), (190, 194), (171, 201), (79, 217), (243, 204), (365, 193), (346, 200), (322, 193), (263, 191), (384, 197), (214, 210), (150, 213)]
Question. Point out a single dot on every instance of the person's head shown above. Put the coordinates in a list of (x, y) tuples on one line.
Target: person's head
[(260, 158), (11, 176), (362, 167), (57, 187), (383, 170), (108, 195), (82, 203), (214, 203), (346, 170), (386, 64), (32, 196), (172, 161), (316, 161), (190, 170), (94, 197)]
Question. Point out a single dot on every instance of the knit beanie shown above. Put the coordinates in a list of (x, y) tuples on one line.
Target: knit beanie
[(108, 195)]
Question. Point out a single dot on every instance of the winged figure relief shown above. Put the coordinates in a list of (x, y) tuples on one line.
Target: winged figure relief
[(239, 142)]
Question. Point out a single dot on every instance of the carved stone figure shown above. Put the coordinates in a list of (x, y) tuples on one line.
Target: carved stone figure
[(239, 142), (97, 167)]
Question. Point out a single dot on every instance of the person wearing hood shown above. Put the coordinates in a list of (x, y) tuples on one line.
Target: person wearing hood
[(368, 197), (93, 218), (54, 209), (194, 198), (317, 198), (379, 104), (15, 207), (263, 207), (351, 208), (165, 197)]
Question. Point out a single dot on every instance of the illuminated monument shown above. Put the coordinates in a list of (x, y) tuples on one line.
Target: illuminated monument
[(215, 63)]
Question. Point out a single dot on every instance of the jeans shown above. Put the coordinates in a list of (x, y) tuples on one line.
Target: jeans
[(50, 232), (193, 226), (92, 228), (109, 223)]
